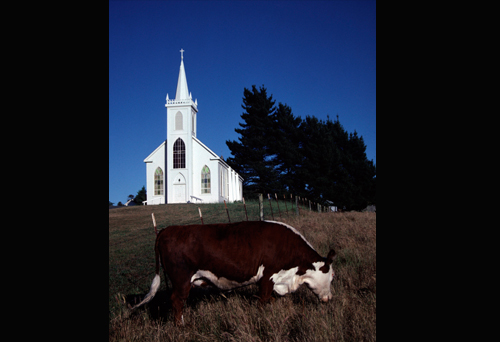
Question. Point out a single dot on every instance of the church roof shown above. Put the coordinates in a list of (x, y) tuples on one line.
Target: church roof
[(214, 155), (182, 92)]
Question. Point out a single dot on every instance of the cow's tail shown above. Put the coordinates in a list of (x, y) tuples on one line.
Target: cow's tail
[(156, 281)]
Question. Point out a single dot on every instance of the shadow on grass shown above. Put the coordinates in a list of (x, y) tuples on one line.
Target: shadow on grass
[(160, 307)]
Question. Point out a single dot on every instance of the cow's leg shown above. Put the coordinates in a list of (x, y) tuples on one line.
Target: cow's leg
[(179, 296), (266, 289)]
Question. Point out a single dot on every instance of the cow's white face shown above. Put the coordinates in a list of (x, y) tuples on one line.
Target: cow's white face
[(287, 281), (319, 282)]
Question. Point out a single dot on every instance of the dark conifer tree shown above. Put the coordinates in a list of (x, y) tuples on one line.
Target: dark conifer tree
[(321, 163), (141, 196), (288, 150), (253, 154), (340, 187), (361, 173), (352, 173), (278, 152)]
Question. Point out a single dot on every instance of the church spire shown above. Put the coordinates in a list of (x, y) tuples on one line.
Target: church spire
[(182, 92)]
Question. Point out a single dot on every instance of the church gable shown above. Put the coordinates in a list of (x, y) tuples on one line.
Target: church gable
[(205, 170), (155, 175), (150, 158)]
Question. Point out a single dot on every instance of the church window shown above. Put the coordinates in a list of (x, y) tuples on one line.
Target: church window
[(205, 180), (179, 154), (159, 181), (178, 121), (224, 185)]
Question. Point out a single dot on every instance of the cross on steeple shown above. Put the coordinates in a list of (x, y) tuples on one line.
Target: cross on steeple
[(182, 57)]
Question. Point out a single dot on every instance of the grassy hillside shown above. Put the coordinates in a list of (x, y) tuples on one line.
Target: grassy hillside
[(212, 315)]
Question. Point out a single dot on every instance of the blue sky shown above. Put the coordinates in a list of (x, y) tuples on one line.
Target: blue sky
[(318, 57)]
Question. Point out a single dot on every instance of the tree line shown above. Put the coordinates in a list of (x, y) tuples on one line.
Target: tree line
[(138, 199), (283, 153)]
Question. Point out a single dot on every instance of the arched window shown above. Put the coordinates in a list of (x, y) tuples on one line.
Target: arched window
[(205, 180), (179, 154), (178, 121), (159, 181)]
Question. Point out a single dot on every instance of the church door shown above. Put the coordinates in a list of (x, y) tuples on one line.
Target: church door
[(179, 189), (180, 193)]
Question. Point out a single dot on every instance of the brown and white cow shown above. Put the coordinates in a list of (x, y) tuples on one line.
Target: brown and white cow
[(273, 255)]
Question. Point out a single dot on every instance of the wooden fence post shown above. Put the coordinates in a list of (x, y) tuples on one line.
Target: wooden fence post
[(154, 222), (245, 208), (279, 211), (284, 200), (297, 205), (269, 198), (227, 211), (201, 217), (261, 207)]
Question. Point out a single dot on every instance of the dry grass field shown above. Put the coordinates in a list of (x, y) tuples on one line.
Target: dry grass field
[(213, 315)]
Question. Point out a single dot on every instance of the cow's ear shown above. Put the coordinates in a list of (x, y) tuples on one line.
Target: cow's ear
[(331, 255)]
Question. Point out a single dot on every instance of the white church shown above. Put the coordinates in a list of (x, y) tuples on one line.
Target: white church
[(183, 169)]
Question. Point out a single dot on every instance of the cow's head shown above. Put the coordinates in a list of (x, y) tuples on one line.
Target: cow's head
[(319, 279)]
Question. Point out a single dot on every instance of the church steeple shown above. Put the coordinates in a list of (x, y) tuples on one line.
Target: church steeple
[(181, 111), (182, 92)]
